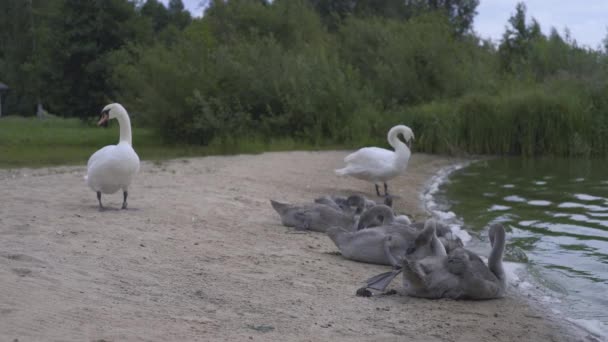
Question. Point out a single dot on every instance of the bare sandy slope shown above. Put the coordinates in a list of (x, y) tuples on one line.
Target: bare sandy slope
[(201, 256)]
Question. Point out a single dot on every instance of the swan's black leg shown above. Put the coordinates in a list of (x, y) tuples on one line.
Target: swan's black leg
[(99, 199), (385, 189), (124, 202), (388, 201), (377, 190)]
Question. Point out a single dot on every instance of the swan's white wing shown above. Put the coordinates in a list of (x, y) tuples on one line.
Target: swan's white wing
[(99, 155), (112, 168), (371, 158)]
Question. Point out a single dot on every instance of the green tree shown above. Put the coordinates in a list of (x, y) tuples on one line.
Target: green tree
[(178, 15), (90, 30), (27, 43), (518, 39), (460, 12), (157, 13)]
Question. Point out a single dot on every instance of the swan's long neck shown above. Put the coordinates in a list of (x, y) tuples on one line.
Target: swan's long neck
[(125, 127), (498, 248), (438, 247), (402, 152)]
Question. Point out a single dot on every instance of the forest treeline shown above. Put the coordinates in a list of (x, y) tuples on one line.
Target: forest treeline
[(319, 71)]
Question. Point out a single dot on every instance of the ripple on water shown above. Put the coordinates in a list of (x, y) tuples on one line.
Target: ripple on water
[(528, 223), (539, 203), (539, 182), (590, 207), (514, 198), (508, 186), (498, 207), (585, 197)]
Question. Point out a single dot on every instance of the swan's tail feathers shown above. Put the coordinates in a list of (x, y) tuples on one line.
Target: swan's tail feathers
[(341, 172), (381, 281), (279, 207)]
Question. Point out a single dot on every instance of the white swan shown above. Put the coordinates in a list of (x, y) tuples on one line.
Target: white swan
[(112, 167), (376, 164)]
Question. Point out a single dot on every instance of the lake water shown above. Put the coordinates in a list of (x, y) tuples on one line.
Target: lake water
[(556, 215)]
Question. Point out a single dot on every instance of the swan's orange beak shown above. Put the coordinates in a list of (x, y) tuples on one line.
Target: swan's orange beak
[(103, 119)]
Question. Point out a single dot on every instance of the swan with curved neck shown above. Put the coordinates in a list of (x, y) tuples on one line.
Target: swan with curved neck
[(113, 167), (379, 165)]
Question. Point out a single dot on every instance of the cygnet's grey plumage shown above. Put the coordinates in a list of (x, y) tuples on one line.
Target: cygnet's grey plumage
[(426, 245), (459, 275), (353, 204), (370, 245), (376, 216), (445, 235), (315, 217), (381, 214), (336, 202)]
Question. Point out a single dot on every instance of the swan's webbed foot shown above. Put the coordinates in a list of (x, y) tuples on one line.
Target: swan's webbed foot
[(124, 202), (101, 208), (377, 190)]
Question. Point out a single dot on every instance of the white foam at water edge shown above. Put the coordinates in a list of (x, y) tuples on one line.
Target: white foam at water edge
[(595, 327), (511, 269), (460, 233), (428, 199)]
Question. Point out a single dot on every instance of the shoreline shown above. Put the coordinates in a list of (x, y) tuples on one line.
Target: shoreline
[(429, 202), (202, 256)]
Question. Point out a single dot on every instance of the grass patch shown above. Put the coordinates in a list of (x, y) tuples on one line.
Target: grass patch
[(29, 142)]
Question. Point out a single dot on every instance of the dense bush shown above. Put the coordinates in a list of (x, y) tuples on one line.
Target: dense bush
[(313, 71)]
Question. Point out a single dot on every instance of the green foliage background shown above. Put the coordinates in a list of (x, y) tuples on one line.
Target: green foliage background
[(323, 73)]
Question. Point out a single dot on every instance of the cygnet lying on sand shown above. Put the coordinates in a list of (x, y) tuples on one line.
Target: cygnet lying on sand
[(315, 217), (461, 274), (371, 245)]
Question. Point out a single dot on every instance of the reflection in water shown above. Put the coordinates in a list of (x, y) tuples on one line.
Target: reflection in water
[(556, 211)]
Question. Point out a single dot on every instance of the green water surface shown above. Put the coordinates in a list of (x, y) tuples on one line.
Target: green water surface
[(556, 211)]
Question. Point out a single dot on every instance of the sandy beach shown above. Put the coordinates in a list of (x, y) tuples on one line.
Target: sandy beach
[(202, 256)]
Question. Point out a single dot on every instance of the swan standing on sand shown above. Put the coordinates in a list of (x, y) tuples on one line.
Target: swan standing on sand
[(113, 167), (376, 164)]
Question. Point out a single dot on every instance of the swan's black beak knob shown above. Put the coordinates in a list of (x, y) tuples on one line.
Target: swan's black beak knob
[(104, 118)]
